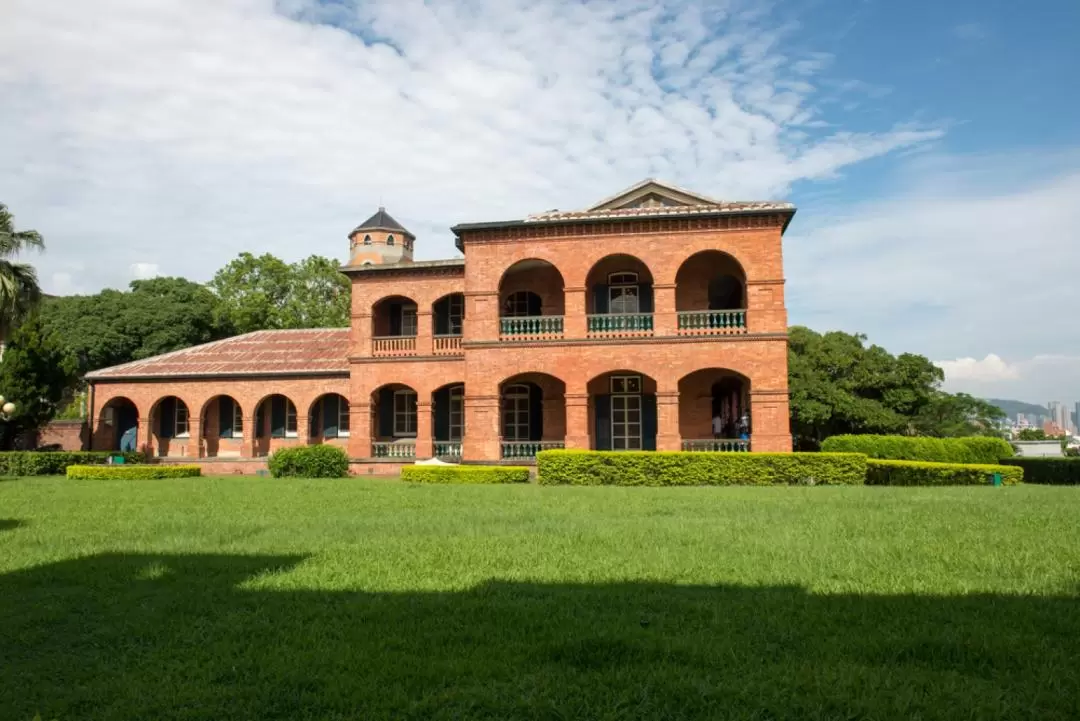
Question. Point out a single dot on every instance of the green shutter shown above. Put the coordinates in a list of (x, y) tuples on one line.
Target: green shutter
[(167, 418), (277, 417), (386, 412), (441, 414), (648, 422), (600, 299), (602, 412), (330, 416), (536, 412), (225, 417), (645, 297)]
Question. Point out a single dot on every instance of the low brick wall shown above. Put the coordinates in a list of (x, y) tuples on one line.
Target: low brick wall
[(69, 435), (252, 466)]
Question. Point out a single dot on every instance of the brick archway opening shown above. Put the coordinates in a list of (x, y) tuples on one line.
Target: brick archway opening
[(329, 420), (622, 411), (170, 429), (532, 415), (532, 300), (275, 425), (710, 294), (222, 427), (448, 421), (394, 421), (714, 410), (117, 426)]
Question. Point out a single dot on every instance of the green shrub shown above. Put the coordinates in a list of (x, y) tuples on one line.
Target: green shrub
[(677, 468), (976, 449), (1048, 471), (921, 473), (323, 461), (55, 463), (465, 474), (133, 472)]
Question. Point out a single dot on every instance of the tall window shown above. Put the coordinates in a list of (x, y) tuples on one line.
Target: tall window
[(522, 303), (230, 419), (404, 413), (623, 293), (408, 320), (457, 313), (290, 419), (626, 413), (180, 421), (457, 413), (343, 416), (515, 413)]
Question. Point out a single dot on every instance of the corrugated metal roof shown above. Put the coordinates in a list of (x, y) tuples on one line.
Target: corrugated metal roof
[(660, 211), (316, 351)]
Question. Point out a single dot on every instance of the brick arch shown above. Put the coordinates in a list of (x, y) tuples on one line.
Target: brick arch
[(711, 392), (696, 276), (162, 445), (535, 276), (213, 397), (600, 273), (107, 437)]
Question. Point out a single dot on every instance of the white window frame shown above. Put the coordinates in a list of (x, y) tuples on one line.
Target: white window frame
[(343, 417), (520, 402), (408, 321), (626, 397), (181, 419), (457, 408), (456, 308), (517, 304), (402, 417), (237, 421), (622, 286), (290, 419)]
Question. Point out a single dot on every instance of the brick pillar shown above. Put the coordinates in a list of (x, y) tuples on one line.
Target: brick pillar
[(360, 334), (481, 316), (577, 421), (360, 430), (665, 318), (303, 429), (770, 421), (425, 332), (765, 312), (481, 442), (574, 322), (195, 441), (668, 437), (247, 448), (424, 446), (144, 440)]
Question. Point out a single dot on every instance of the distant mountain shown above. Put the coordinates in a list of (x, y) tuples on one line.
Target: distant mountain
[(1011, 408)]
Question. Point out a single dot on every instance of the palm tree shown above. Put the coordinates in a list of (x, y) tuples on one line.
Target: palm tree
[(19, 290)]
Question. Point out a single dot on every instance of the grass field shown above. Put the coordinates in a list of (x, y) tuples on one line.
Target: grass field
[(253, 598)]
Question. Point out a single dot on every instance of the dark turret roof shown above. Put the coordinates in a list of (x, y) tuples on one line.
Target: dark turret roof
[(382, 221)]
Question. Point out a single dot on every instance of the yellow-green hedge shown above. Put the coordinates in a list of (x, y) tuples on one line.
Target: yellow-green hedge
[(678, 468), (132, 472), (921, 473), (465, 474)]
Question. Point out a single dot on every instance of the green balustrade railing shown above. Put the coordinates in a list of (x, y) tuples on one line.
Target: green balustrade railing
[(619, 323), (712, 322), (527, 450), (531, 326), (717, 445), (394, 449), (448, 449)]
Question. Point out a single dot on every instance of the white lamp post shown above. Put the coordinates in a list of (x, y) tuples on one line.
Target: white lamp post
[(7, 409)]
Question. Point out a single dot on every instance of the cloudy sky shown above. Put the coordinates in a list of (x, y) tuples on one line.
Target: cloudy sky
[(933, 148)]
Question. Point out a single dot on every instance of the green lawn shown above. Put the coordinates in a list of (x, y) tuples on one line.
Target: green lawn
[(253, 598)]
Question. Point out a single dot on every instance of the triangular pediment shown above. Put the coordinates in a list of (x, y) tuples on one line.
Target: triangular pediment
[(652, 194)]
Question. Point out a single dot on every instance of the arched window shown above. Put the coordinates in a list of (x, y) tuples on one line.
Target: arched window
[(515, 413), (623, 293), (367, 240), (390, 240)]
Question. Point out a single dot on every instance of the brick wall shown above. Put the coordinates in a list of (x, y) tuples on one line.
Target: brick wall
[(69, 435)]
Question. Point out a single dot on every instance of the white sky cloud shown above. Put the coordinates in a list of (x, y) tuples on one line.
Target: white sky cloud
[(143, 271), (990, 369), (181, 132)]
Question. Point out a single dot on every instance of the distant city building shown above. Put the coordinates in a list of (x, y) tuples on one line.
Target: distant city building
[(1052, 429)]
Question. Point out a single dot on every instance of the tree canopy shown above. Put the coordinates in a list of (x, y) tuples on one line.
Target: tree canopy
[(19, 290), (838, 385), (37, 375)]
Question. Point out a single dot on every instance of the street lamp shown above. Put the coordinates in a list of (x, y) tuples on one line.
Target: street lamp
[(7, 409)]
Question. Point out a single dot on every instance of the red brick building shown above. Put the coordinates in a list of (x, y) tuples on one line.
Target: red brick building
[(654, 320)]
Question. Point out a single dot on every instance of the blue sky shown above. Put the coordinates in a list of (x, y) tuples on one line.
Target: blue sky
[(933, 148)]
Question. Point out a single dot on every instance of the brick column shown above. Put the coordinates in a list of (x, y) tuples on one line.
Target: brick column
[(481, 442), (577, 421), (425, 332), (765, 312), (665, 318), (574, 322), (360, 430), (247, 447), (195, 440), (303, 429), (668, 437), (481, 316), (144, 440), (770, 421), (360, 334), (424, 445)]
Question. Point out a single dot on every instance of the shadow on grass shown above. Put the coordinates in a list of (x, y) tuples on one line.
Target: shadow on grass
[(187, 637), (10, 524)]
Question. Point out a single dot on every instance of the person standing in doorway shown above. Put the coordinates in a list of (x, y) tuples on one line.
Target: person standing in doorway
[(717, 425)]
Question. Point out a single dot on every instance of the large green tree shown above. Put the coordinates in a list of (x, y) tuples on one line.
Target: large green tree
[(19, 289), (36, 375), (112, 327), (260, 292), (838, 384)]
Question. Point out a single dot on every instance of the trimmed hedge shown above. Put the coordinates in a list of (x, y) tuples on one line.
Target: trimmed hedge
[(309, 462), (134, 472), (55, 463), (465, 474), (974, 449), (1051, 471), (678, 468), (921, 473)]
